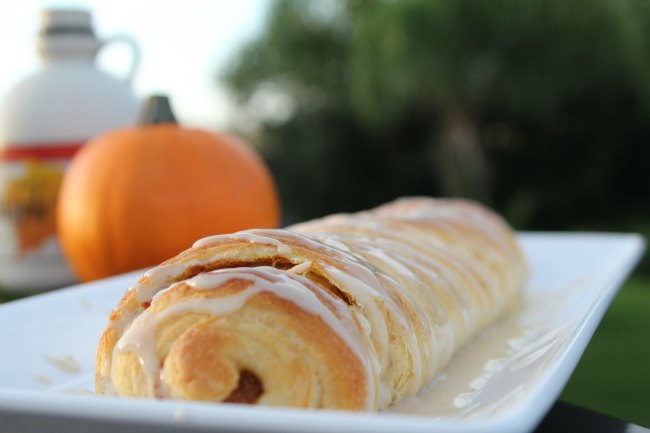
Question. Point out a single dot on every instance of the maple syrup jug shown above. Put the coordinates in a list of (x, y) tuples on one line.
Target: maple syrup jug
[(44, 120)]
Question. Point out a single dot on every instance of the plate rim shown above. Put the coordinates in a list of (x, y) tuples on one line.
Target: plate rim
[(199, 415)]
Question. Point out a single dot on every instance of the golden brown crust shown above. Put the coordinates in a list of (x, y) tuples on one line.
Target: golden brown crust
[(347, 312)]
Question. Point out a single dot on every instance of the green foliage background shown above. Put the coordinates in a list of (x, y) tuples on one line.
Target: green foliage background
[(539, 109)]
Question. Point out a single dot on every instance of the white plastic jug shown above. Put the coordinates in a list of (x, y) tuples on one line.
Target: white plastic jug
[(44, 120)]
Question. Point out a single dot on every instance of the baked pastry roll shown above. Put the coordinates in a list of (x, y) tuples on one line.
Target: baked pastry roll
[(352, 311)]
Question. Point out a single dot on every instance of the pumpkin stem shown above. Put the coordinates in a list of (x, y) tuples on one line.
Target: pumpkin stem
[(157, 109)]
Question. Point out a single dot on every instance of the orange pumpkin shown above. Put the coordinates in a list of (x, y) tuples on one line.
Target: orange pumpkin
[(133, 198)]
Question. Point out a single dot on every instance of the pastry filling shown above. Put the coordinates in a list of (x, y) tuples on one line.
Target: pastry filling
[(249, 388), (276, 262)]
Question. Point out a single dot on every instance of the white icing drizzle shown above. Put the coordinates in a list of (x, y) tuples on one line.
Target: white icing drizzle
[(366, 295), (160, 276), (139, 338), (441, 244), (425, 274), (246, 235)]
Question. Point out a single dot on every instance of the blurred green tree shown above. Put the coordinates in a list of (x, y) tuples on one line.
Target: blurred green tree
[(537, 108)]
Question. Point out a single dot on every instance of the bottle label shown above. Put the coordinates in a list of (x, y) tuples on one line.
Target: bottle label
[(30, 178)]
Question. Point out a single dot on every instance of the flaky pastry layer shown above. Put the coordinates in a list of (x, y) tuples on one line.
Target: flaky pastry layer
[(351, 311)]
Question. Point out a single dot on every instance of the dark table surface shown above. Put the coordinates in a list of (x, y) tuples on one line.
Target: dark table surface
[(563, 417)]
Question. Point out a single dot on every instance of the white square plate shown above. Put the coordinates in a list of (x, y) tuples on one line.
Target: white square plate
[(503, 381)]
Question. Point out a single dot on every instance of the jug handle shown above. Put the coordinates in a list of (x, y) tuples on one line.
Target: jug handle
[(135, 53)]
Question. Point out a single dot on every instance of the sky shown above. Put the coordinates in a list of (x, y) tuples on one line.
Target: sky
[(183, 45)]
